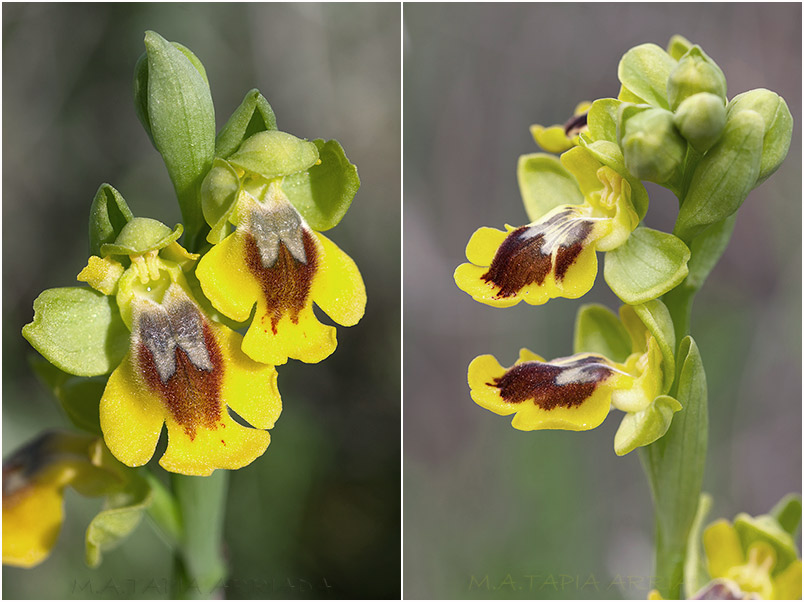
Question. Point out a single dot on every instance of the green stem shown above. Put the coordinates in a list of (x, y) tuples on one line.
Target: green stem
[(199, 566)]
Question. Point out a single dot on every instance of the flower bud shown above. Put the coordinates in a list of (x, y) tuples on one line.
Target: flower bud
[(694, 73), (652, 147), (701, 118), (778, 126)]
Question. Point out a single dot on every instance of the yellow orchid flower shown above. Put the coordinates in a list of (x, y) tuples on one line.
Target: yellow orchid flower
[(553, 256), (558, 138), (182, 369), (275, 260)]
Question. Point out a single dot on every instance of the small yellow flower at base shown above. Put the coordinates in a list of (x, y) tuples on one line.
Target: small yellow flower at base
[(185, 371), (558, 138), (274, 260), (571, 393)]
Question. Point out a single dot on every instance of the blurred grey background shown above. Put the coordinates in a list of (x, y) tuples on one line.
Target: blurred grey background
[(318, 515), (558, 514)]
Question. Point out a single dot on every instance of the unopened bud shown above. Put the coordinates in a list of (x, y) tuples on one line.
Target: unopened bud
[(652, 147), (701, 119), (695, 73)]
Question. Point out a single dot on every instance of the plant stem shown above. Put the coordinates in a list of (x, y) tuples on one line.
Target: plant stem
[(199, 566)]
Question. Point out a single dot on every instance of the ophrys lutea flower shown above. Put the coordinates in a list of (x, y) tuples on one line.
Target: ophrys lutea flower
[(182, 369)]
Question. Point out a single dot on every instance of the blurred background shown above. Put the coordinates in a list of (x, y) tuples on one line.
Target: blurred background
[(558, 514), (318, 515)]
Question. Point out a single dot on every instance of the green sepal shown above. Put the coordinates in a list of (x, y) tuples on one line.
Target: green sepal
[(724, 176), (254, 115), (644, 70), (643, 428), (610, 154), (545, 184), (79, 397), (787, 513), (696, 574), (602, 119), (678, 46), (675, 466), (140, 235), (107, 216), (625, 111), (766, 528), (180, 119), (627, 95), (695, 73), (219, 194), (646, 266), (655, 317), (273, 154), (324, 193), (599, 330), (778, 126), (79, 330), (122, 512), (706, 249)]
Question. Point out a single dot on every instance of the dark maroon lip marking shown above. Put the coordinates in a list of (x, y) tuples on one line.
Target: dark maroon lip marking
[(286, 284), (539, 382), (575, 124), (191, 388), (522, 258)]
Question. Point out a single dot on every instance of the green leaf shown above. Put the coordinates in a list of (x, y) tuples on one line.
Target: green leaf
[(122, 513), (654, 316), (644, 70), (675, 466), (599, 330), (254, 115), (107, 216), (646, 266), (545, 184), (181, 117), (79, 397), (324, 193), (787, 513), (695, 574), (706, 250), (643, 428), (273, 154), (79, 330), (602, 119), (724, 176)]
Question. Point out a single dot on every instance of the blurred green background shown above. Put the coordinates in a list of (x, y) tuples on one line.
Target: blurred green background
[(318, 515), (557, 514)]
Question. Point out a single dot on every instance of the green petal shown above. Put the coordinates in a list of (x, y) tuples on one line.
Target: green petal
[(645, 427), (649, 264), (252, 116), (273, 154), (140, 235), (219, 192), (107, 216), (545, 184), (79, 330), (644, 70), (324, 193), (599, 330)]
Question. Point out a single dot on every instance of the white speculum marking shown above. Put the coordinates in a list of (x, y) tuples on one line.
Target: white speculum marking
[(280, 223), (565, 228), (163, 328)]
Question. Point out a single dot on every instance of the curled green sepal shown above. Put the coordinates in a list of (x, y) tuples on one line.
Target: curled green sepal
[(655, 317), (648, 265), (724, 177), (766, 528), (599, 330), (638, 429), (79, 397), (122, 512), (273, 154), (644, 70), (107, 216), (324, 192), (79, 330), (545, 184), (787, 513), (177, 102), (140, 235), (695, 574), (219, 193), (778, 126), (254, 115)]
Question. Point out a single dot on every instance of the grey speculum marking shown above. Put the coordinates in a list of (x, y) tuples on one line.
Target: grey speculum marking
[(269, 227), (163, 329)]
